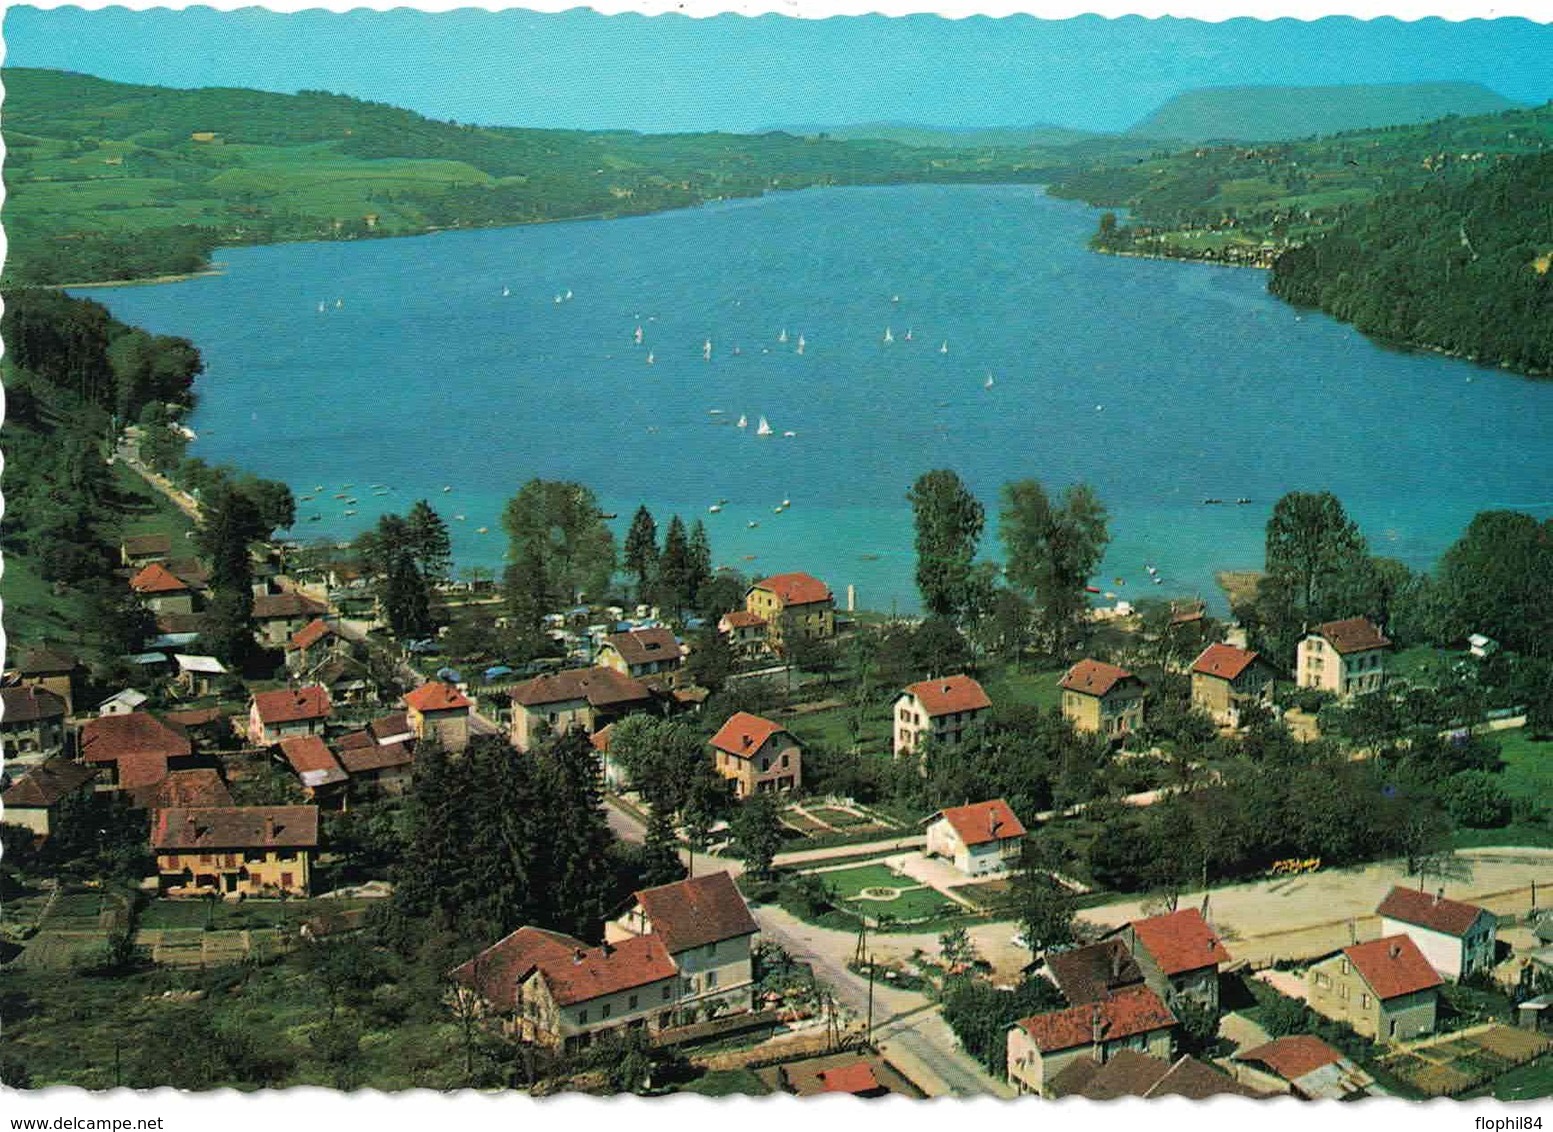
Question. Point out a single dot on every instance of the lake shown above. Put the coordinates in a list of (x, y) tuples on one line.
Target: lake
[(403, 363)]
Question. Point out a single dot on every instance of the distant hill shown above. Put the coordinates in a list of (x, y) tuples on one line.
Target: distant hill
[(948, 137), (109, 180), (1280, 113)]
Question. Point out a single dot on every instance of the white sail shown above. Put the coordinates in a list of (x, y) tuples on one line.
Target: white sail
[(706, 350), (800, 343), (764, 429), (649, 357), (989, 383), (888, 337), (944, 349), (744, 422), (782, 337), (638, 335)]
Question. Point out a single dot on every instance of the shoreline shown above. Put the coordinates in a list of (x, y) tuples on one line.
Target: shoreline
[(144, 281)]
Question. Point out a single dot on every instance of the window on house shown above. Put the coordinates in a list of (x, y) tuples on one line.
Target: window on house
[(631, 1004), (668, 992), (711, 979), (604, 1011), (1364, 1001), (582, 1017), (711, 948), (285, 880), (1346, 967), (784, 760)]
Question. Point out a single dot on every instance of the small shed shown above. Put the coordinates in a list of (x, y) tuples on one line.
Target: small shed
[(1536, 1014)]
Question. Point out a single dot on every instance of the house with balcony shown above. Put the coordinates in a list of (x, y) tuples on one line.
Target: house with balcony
[(652, 655), (586, 698), (32, 725)]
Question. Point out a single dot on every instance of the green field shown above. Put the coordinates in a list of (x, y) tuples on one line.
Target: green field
[(727, 1083), (916, 903), (1010, 686), (1527, 776)]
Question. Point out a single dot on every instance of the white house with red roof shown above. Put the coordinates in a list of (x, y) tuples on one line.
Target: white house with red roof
[(707, 927), (1179, 953), (1457, 938), (1347, 658), (1225, 679), (1385, 989), (792, 605), (757, 755), (438, 710), (944, 710), (981, 839), (1042, 1046), (287, 712)]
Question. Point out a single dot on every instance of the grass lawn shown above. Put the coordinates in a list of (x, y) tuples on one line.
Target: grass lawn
[(1528, 769), (229, 917), (832, 728), (840, 819), (727, 1083), (1037, 689), (847, 883), (1523, 1083)]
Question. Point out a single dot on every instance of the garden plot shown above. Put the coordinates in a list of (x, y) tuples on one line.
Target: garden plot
[(876, 890), (1443, 1067)]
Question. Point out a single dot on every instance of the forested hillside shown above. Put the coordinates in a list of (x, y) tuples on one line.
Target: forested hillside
[(1283, 113), (1459, 267), (113, 181)]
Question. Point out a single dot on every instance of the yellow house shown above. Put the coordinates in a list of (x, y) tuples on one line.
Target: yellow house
[(756, 755), (1225, 679), (235, 850), (1347, 658), (641, 653), (792, 605), (439, 710), (1385, 989), (1102, 699), (589, 698)]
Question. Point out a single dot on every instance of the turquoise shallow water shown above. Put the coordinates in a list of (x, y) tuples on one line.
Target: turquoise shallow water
[(1159, 383)]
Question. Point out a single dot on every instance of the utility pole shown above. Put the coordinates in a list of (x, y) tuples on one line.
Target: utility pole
[(870, 1030)]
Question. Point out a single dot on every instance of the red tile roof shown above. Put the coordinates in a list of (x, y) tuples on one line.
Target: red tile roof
[(494, 974), (695, 912), (601, 687), (290, 705), (1434, 912), (353, 740), (111, 738), (29, 704), (1294, 1056), (983, 822), (854, 1079), (1224, 661), (157, 579), (1197, 1081), (235, 827), (195, 717), (141, 771), (1180, 941), (597, 971), (1127, 1073), (387, 728), (795, 588), (269, 607), (744, 734), (1356, 634), (742, 619), (1093, 972), (600, 739), (436, 696), (1136, 1010), (1094, 677), (644, 646), (362, 760), (188, 789), (949, 694), (311, 758), (47, 784), (1392, 966), (310, 634)]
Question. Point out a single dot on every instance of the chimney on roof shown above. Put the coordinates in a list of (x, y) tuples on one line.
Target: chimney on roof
[(1395, 951), (607, 948), (1439, 895), (1097, 1032), (269, 827), (577, 957)]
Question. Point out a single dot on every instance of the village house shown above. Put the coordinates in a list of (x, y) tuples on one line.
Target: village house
[(235, 850), (32, 801), (555, 991), (1102, 699), (1093, 972), (707, 930), (439, 711), (586, 698), (51, 669), (745, 632), (32, 725), (376, 767), (199, 788), (980, 839), (134, 750), (945, 710), (277, 616), (792, 605), (1129, 1073), (1458, 939), (643, 654), (319, 772), (848, 1074), (1179, 954), (141, 550), (1304, 1066), (1042, 1046), (122, 702), (311, 645), (345, 677), (198, 675), (162, 591), (1346, 658), (1225, 679), (1385, 989), (757, 755), (285, 712)]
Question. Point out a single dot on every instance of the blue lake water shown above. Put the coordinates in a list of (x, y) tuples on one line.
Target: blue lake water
[(1159, 383)]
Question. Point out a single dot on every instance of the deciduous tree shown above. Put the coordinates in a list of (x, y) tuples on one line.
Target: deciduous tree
[(949, 522)]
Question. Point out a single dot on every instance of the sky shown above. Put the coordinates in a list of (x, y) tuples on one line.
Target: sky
[(581, 69)]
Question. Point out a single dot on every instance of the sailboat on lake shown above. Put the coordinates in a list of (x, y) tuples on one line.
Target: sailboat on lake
[(744, 422), (764, 429), (888, 336)]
